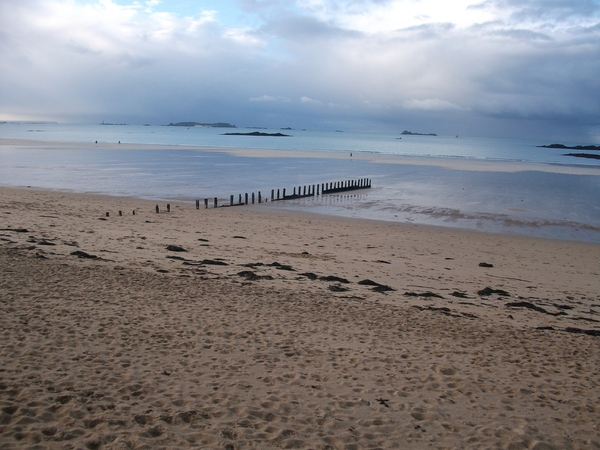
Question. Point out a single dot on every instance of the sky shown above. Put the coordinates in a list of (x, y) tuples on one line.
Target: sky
[(523, 69)]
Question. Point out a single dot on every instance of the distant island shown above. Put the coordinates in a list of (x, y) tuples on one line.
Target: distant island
[(256, 133), (108, 123), (410, 133), (576, 147), (583, 155), (206, 125)]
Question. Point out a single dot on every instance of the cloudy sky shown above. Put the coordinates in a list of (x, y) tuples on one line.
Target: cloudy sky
[(514, 68)]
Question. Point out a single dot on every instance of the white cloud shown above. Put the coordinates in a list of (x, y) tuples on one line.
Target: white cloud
[(383, 60), (270, 99), (310, 101), (430, 104)]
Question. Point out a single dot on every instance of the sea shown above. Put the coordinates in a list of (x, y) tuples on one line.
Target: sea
[(489, 185)]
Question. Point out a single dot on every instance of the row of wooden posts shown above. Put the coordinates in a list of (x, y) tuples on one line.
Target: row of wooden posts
[(306, 191), (303, 191)]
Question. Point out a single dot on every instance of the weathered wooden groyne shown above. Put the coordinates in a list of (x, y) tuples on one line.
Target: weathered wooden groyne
[(296, 193)]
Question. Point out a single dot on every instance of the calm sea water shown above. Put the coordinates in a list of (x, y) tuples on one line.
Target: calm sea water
[(530, 202)]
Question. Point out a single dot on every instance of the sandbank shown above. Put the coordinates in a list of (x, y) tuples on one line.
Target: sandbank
[(374, 157), (254, 328)]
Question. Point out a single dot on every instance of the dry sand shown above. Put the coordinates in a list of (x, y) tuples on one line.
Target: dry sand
[(144, 347)]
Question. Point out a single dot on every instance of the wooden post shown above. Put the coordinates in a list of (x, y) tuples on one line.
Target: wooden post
[(206, 203), (278, 194), (197, 204), (253, 198), (215, 202), (294, 191), (246, 198), (304, 191), (259, 197), (107, 214), (283, 194), (120, 213), (240, 199), (231, 200), (133, 212), (168, 207), (272, 194), (157, 209)]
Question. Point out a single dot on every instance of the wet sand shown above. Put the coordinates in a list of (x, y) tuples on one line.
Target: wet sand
[(246, 327)]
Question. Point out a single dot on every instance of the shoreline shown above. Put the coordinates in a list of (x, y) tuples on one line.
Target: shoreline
[(264, 333), (512, 219)]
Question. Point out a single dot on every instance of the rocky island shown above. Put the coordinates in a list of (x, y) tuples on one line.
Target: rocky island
[(410, 133), (575, 147), (583, 155), (256, 133), (206, 125)]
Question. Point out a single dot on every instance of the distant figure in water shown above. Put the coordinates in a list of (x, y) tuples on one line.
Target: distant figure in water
[(350, 155)]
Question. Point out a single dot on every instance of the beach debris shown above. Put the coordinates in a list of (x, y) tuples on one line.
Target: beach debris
[(281, 266), (530, 305), (81, 254), (580, 331), (484, 264), (382, 261), (459, 294), (585, 319), (273, 264), (489, 291), (338, 288), (203, 240), (213, 262), (334, 279), (166, 372), (45, 242), (251, 276), (15, 230), (427, 294), (558, 306), (383, 401), (310, 275), (571, 330), (382, 288), (176, 248), (240, 237), (178, 258), (378, 287), (252, 265), (445, 311), (210, 262)]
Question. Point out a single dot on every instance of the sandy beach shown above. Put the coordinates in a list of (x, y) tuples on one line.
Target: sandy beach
[(245, 327)]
